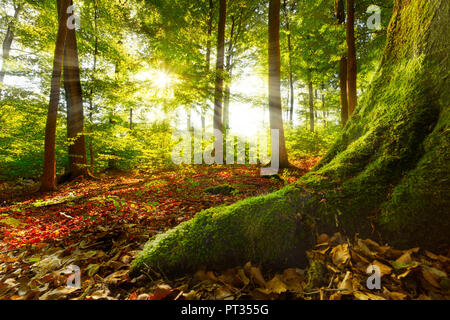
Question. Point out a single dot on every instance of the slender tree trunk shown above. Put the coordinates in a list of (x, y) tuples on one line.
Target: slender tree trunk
[(343, 89), (91, 94), (276, 115), (189, 120), (229, 69), (49, 173), (351, 56), (7, 42), (218, 97), (311, 107), (208, 59), (75, 113), (324, 112), (131, 118), (340, 14), (226, 105), (291, 76)]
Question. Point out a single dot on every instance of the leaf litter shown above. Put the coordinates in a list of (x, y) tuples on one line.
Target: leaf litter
[(107, 222)]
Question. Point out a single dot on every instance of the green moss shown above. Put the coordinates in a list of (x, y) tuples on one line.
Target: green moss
[(225, 190), (268, 230), (316, 276)]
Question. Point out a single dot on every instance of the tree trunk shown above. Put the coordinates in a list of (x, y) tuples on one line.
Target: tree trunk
[(291, 76), (226, 105), (218, 97), (131, 118), (75, 113), (229, 69), (7, 42), (386, 177), (208, 60), (343, 90), (311, 107), (49, 173), (91, 93), (351, 58), (189, 120), (324, 112), (276, 115), (340, 14)]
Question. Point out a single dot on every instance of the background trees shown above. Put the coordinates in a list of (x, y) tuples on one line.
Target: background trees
[(145, 69)]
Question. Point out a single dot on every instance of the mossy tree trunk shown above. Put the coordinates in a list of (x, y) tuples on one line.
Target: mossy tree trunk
[(387, 176)]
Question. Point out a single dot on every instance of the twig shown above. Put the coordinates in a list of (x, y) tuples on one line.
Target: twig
[(325, 290)]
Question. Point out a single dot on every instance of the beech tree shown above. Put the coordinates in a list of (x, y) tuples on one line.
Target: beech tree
[(75, 113), (276, 114), (49, 173), (352, 95), (340, 15), (218, 96)]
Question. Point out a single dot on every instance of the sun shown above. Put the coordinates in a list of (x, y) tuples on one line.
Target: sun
[(160, 79), (163, 80)]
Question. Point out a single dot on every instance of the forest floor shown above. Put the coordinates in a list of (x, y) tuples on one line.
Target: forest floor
[(101, 225)]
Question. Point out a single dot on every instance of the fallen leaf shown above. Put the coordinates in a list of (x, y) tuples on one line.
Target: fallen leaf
[(340, 255)]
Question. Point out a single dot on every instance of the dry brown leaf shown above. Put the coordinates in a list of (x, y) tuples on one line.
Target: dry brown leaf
[(340, 255), (384, 269), (276, 285), (202, 275), (405, 258), (358, 258), (363, 248), (223, 293), (431, 255), (117, 277), (161, 292), (347, 284), (430, 278), (257, 277), (359, 295), (242, 277)]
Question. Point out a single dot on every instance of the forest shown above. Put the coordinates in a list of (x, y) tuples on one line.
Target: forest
[(224, 150)]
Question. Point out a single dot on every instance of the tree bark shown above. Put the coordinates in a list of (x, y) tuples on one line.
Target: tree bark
[(218, 97), (311, 107), (351, 58), (343, 90), (91, 93), (291, 75), (49, 173), (324, 111), (131, 118), (75, 113), (340, 14), (276, 115), (7, 42), (208, 60), (229, 69)]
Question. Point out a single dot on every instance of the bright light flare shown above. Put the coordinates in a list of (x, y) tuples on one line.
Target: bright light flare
[(160, 79)]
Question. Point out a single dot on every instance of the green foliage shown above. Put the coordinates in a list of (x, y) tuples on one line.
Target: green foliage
[(304, 143)]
